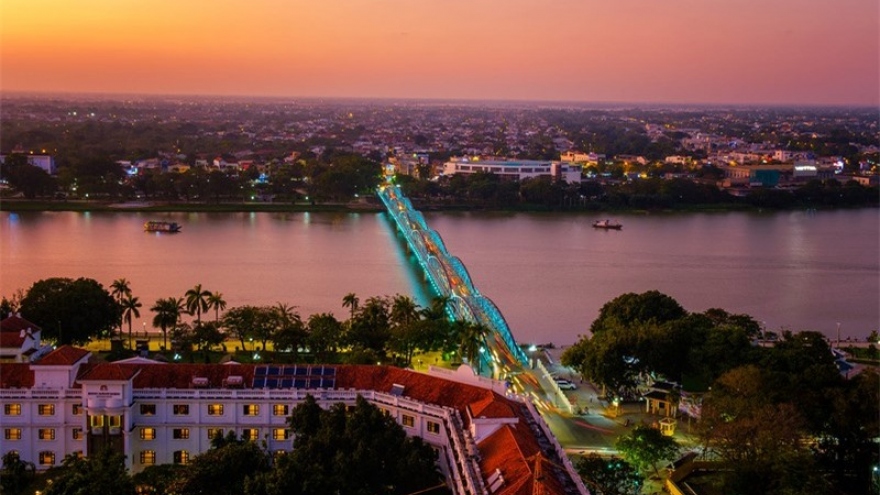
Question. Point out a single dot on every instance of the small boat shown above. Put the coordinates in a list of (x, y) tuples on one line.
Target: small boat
[(607, 225), (156, 226)]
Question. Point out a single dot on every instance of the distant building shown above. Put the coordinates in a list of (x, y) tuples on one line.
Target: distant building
[(19, 340), (163, 413), (515, 169), (45, 162)]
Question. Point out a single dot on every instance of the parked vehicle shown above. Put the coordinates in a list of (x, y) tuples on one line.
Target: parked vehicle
[(565, 384)]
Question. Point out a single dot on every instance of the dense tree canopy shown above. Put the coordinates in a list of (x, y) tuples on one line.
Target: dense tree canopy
[(70, 311)]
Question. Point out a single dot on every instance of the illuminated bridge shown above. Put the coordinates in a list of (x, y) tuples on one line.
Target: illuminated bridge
[(449, 277)]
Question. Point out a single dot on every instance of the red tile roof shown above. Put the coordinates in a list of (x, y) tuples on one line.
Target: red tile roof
[(11, 339), (15, 323), (107, 371), (526, 471), (63, 356), (16, 375)]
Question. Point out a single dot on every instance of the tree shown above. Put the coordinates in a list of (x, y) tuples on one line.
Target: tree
[(631, 308), (158, 480), (289, 330), (70, 311), (102, 473), (167, 316), (351, 301), (473, 338), (197, 301), (217, 303), (370, 327), (224, 469), (325, 333), (130, 309), (644, 447), (16, 474), (242, 322), (612, 476), (120, 289), (336, 452), (406, 326)]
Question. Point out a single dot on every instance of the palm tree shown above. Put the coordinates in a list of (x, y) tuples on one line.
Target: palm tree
[(120, 289), (130, 310), (473, 337), (197, 301), (351, 301), (167, 315), (217, 302)]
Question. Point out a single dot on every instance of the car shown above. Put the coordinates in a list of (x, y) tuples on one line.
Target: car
[(565, 384)]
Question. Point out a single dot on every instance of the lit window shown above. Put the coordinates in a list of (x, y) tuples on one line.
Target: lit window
[(250, 434), (180, 433), (181, 409), (215, 409), (96, 421), (279, 410), (46, 410), (77, 433), (433, 427), (148, 457), (250, 410), (148, 409), (47, 458), (215, 433), (77, 409), (12, 433), (408, 421), (12, 409), (114, 421), (280, 434), (148, 433), (181, 457), (46, 434)]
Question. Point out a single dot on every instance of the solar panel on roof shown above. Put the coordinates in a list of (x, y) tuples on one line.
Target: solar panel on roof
[(273, 370), (329, 371), (271, 382), (289, 370), (260, 371), (286, 382), (314, 383), (300, 383), (259, 382), (302, 370), (329, 383)]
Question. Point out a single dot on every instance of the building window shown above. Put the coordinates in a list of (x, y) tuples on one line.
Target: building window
[(181, 457), (47, 458), (114, 421), (46, 410), (148, 409), (433, 427), (250, 434), (46, 433), (12, 409), (148, 433), (408, 421), (180, 409), (250, 410), (77, 409), (12, 433), (280, 434), (279, 410), (215, 409), (148, 457), (180, 433), (77, 433), (215, 433), (96, 421)]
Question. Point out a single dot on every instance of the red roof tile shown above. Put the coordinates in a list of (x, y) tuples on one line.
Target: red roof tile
[(16, 324), (16, 375), (491, 408), (63, 356), (526, 471), (108, 372)]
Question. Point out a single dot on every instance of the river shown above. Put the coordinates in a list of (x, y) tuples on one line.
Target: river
[(549, 274)]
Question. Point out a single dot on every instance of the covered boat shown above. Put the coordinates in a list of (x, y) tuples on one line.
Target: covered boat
[(157, 226)]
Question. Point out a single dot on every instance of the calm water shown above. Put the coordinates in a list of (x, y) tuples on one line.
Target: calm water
[(549, 274)]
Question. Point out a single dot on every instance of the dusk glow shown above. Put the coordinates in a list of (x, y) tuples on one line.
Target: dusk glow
[(745, 51)]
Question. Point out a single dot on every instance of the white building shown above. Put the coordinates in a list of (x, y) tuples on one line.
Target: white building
[(157, 413), (45, 162), (19, 340), (515, 169)]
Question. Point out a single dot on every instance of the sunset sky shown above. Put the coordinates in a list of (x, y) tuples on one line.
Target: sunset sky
[(671, 51)]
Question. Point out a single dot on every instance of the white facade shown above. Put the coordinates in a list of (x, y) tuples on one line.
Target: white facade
[(515, 169)]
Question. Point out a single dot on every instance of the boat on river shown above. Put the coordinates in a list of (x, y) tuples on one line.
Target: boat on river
[(607, 225), (158, 226)]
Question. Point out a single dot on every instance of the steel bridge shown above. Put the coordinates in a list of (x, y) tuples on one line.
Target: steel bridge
[(449, 277)]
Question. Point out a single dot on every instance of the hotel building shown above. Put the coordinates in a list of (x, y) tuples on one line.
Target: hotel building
[(488, 441)]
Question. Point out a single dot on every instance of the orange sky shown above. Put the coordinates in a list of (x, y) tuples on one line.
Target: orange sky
[(692, 51)]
